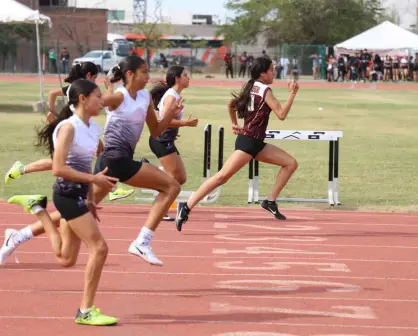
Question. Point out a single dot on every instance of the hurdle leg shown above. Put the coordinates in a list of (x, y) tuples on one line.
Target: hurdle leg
[(250, 181), (256, 195), (336, 163), (331, 174)]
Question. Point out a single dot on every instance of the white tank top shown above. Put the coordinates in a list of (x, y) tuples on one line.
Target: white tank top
[(170, 134), (125, 124)]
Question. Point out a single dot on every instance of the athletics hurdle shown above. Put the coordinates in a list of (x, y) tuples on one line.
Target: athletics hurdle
[(333, 162), (186, 194)]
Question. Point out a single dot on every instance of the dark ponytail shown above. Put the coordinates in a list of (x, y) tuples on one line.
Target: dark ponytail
[(243, 99), (77, 88), (161, 88), (80, 70), (130, 63)]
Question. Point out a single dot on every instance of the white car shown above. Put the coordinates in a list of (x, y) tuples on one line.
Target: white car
[(104, 59)]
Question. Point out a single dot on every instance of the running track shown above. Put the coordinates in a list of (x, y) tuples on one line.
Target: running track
[(232, 271), (51, 79)]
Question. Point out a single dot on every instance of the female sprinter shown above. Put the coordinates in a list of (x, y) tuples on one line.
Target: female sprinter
[(130, 106), (253, 104), (164, 148), (123, 130), (85, 70), (73, 142)]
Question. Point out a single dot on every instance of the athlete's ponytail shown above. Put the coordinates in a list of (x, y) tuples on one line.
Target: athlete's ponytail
[(81, 70), (243, 99), (77, 88), (161, 88)]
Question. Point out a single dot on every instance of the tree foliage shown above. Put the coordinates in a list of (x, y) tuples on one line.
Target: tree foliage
[(300, 21)]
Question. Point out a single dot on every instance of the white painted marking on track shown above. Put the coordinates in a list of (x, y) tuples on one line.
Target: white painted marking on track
[(267, 250), (259, 228), (235, 237), (286, 285), (261, 216), (283, 265), (353, 312)]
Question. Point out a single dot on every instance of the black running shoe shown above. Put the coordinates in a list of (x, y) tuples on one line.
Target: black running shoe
[(272, 208), (182, 214)]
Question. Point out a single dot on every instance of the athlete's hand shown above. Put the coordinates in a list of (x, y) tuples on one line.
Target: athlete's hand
[(192, 122), (176, 107), (293, 87), (50, 116), (93, 209), (236, 129), (105, 182), (107, 82)]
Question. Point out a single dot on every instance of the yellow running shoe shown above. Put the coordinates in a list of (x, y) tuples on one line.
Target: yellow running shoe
[(120, 193), (29, 201), (95, 317), (14, 172)]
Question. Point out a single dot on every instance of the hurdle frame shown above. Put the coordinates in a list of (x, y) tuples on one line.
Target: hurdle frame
[(333, 165), (186, 194)]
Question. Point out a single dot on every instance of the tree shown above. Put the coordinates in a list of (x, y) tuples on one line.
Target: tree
[(300, 21), (152, 32)]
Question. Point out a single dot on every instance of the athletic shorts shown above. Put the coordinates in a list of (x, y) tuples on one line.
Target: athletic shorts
[(249, 145), (70, 207), (161, 149), (122, 168)]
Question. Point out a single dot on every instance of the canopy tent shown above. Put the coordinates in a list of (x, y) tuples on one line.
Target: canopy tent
[(15, 12), (384, 37)]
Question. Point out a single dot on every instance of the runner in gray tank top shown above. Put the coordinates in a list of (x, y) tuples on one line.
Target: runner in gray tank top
[(130, 107)]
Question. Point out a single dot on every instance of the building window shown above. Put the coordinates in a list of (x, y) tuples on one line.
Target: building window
[(53, 3), (115, 15)]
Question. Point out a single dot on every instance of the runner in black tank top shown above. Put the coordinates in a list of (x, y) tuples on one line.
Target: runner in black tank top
[(254, 105)]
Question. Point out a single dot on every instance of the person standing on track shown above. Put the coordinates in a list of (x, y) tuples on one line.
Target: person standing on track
[(130, 107), (85, 70), (164, 148), (73, 142), (253, 104)]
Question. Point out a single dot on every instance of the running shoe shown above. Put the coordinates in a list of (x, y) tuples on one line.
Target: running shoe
[(14, 172), (120, 193), (8, 246), (182, 215), (145, 252), (95, 317), (271, 207), (29, 201)]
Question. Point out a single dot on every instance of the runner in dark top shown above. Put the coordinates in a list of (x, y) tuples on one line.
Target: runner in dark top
[(253, 104)]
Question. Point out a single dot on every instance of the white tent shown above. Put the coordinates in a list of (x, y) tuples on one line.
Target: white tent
[(15, 12), (384, 37)]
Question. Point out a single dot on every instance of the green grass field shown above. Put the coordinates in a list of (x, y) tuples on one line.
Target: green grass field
[(378, 154)]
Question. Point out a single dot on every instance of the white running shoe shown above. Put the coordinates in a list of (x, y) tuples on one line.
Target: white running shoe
[(8, 246), (145, 252)]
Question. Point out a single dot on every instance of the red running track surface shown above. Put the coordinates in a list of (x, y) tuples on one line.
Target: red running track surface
[(230, 272)]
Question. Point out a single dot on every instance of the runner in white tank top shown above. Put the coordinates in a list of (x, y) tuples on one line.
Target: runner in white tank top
[(74, 142), (131, 107), (164, 147)]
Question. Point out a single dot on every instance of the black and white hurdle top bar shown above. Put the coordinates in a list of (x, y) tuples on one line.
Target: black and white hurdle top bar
[(331, 136)]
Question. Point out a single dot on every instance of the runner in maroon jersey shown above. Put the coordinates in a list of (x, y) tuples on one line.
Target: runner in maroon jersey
[(253, 104)]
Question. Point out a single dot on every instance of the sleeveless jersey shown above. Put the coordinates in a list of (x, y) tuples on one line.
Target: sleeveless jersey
[(170, 134), (81, 154), (255, 124), (125, 124)]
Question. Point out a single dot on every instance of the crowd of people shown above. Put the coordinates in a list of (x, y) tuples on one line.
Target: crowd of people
[(73, 139), (366, 66)]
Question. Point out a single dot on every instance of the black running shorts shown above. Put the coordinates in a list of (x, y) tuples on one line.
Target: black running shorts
[(70, 207), (249, 145), (161, 149), (122, 168)]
